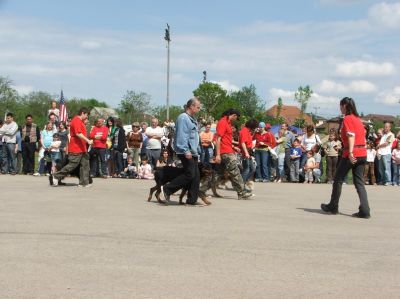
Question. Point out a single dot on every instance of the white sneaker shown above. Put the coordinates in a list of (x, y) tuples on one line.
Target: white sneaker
[(36, 174), (55, 182), (279, 181)]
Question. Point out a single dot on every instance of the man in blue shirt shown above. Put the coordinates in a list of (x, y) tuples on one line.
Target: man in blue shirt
[(187, 147)]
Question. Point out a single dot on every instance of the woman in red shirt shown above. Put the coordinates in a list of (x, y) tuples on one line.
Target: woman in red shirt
[(353, 157), (265, 140)]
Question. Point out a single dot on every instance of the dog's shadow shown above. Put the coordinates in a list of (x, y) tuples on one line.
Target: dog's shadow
[(319, 211)]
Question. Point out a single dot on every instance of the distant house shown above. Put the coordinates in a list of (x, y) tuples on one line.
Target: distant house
[(101, 112), (289, 113), (381, 118)]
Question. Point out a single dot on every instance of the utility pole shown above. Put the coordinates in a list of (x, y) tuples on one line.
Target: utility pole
[(167, 37), (316, 110), (204, 76)]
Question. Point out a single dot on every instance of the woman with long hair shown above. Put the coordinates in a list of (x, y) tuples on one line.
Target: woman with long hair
[(354, 156)]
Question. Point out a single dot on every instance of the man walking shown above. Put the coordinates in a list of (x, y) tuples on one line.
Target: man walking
[(225, 153), (77, 150), (30, 136), (186, 145), (8, 132)]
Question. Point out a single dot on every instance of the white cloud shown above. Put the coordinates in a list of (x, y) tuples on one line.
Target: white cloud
[(365, 69), (90, 45), (225, 84), (23, 89), (356, 86), (390, 97), (276, 93), (385, 14)]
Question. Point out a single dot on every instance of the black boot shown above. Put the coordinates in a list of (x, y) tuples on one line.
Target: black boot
[(328, 209)]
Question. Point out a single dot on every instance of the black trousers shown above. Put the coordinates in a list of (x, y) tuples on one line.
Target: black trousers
[(28, 157), (98, 155), (190, 179), (287, 163), (358, 179)]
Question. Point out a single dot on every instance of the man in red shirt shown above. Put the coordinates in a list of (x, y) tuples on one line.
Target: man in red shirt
[(77, 150), (225, 154), (247, 149), (98, 152)]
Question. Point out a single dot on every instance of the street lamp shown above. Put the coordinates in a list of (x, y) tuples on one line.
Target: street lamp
[(167, 37), (204, 76)]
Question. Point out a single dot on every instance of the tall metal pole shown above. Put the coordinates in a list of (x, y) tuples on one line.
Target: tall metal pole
[(167, 37)]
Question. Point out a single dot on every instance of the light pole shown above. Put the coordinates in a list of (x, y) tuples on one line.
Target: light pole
[(204, 76), (167, 37)]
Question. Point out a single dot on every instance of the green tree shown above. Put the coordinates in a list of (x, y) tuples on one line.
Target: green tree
[(279, 108), (134, 105), (211, 96), (8, 97), (302, 96), (248, 101), (37, 104), (160, 112)]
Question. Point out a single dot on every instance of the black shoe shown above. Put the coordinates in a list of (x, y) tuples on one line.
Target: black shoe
[(361, 215), (328, 209), (166, 195)]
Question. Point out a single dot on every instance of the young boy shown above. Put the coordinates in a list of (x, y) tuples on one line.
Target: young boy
[(130, 171), (295, 155)]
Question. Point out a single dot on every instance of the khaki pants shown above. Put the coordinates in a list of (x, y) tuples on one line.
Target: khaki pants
[(229, 163), (369, 169), (74, 161)]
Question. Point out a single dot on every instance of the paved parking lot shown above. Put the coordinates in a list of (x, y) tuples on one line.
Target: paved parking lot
[(109, 242)]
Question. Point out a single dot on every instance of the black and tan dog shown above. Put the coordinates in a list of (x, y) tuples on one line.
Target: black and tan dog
[(166, 174)]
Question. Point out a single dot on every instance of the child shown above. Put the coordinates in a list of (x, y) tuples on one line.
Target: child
[(130, 170), (396, 160), (331, 149), (55, 152), (310, 163), (295, 155), (370, 165), (145, 171)]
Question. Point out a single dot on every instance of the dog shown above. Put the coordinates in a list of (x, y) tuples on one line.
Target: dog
[(166, 174)]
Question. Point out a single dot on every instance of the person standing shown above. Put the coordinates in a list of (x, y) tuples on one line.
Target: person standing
[(385, 152), (225, 154), (287, 141), (331, 149), (119, 146), (187, 148), (30, 135), (265, 141), (9, 134), (134, 143), (98, 152), (54, 110), (153, 148), (206, 138), (353, 158), (77, 150)]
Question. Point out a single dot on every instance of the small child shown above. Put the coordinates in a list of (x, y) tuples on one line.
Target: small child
[(396, 160), (370, 165), (145, 171), (295, 155), (308, 178), (130, 170), (55, 152)]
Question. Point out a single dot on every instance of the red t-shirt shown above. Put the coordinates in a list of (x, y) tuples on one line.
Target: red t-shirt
[(102, 132), (352, 124), (77, 145), (268, 138), (224, 130), (245, 137)]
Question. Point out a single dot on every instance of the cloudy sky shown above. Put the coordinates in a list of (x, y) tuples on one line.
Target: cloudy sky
[(103, 48)]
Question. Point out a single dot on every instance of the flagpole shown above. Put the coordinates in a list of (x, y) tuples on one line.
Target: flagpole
[(167, 37)]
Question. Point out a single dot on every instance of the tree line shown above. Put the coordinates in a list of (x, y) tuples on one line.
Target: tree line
[(137, 106)]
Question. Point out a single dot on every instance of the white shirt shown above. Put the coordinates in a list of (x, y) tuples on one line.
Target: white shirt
[(387, 150), (310, 142), (8, 132), (371, 154), (153, 143)]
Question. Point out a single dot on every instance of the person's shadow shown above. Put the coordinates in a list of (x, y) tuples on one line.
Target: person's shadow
[(319, 211)]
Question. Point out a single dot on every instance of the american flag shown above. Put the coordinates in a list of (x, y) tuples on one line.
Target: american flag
[(63, 108)]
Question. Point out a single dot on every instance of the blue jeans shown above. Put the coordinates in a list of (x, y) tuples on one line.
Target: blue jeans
[(385, 168), (9, 160), (207, 155), (262, 160), (248, 169), (396, 176), (281, 165)]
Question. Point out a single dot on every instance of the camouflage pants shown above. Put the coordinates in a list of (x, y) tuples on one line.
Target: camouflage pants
[(229, 163)]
